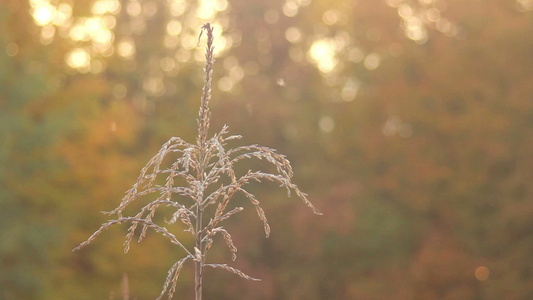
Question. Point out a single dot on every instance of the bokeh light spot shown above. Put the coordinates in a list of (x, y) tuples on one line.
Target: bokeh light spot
[(154, 86), (44, 14), (79, 58), (322, 52), (167, 64), (236, 74), (290, 132), (356, 55), (524, 5), (133, 8), (415, 29), (326, 124), (207, 9), (405, 11), (183, 55), (433, 14), (170, 41), (47, 34), (221, 5), (230, 62), (12, 49), (178, 7), (149, 9), (394, 3), (102, 7), (119, 91), (330, 17), (293, 35), (126, 48), (174, 27), (63, 14), (391, 126), (97, 66), (372, 61), (290, 8), (296, 54), (271, 16), (482, 273), (225, 84), (350, 89)]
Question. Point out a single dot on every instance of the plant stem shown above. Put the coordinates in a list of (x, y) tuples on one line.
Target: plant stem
[(199, 265), (203, 127)]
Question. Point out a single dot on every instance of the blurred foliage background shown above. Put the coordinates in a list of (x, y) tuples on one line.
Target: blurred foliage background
[(409, 123)]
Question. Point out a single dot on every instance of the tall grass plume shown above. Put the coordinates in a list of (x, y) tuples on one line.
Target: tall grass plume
[(204, 180)]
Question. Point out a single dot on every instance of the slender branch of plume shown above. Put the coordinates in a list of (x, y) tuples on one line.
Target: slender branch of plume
[(204, 115), (207, 176)]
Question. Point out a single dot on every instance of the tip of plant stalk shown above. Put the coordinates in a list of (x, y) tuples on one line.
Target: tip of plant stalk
[(206, 26)]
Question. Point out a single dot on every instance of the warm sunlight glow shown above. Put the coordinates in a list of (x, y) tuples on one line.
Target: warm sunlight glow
[(126, 48), (322, 52), (101, 7), (97, 29), (62, 15), (207, 9), (409, 121), (416, 18), (415, 29), (56, 18), (44, 13), (77, 33), (524, 5), (79, 58)]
